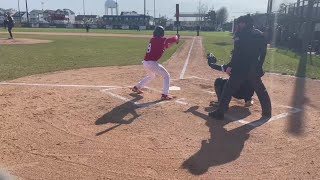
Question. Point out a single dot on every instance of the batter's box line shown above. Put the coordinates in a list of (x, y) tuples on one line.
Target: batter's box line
[(181, 101), (292, 110), (143, 105)]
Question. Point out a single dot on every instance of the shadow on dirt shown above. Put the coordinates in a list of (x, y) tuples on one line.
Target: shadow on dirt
[(223, 147), (299, 100), (118, 114)]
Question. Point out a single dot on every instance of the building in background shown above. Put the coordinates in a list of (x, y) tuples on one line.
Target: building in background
[(94, 21), (63, 17), (11, 11), (127, 20), (23, 15), (36, 16)]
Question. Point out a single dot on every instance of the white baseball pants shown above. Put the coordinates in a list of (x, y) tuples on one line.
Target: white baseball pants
[(153, 68)]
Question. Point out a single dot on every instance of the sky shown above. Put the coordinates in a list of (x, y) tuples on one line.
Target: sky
[(166, 8)]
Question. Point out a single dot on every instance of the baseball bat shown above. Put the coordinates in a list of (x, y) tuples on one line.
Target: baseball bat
[(177, 17)]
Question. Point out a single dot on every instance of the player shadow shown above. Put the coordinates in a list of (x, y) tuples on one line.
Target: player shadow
[(299, 100), (224, 146), (118, 114)]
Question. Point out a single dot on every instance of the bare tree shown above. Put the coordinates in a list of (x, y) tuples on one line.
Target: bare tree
[(283, 8), (202, 9), (222, 15)]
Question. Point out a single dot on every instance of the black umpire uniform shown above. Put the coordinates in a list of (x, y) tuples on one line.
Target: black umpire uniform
[(247, 59), (245, 91)]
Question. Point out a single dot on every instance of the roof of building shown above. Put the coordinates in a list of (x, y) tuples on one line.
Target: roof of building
[(49, 11), (22, 13), (36, 11), (81, 17), (128, 13)]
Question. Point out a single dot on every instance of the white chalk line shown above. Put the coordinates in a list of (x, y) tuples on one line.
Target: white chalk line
[(57, 85), (140, 105), (292, 110), (210, 92), (196, 77), (187, 60), (182, 101)]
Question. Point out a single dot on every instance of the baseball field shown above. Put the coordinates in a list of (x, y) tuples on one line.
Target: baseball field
[(67, 111)]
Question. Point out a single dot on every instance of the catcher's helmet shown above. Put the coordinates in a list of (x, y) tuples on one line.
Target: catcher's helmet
[(211, 58), (158, 31)]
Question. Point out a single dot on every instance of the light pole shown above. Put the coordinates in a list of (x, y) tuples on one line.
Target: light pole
[(84, 10), (154, 12), (27, 12), (233, 24), (19, 11)]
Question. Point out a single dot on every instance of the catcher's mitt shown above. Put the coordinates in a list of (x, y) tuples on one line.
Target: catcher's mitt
[(211, 59)]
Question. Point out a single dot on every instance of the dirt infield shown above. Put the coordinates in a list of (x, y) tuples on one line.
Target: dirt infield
[(22, 41), (86, 124)]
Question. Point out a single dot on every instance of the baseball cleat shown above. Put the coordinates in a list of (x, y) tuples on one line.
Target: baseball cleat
[(216, 114), (136, 90), (266, 115), (213, 103), (166, 97), (248, 103)]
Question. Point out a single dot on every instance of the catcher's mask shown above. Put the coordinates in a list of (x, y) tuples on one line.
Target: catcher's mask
[(158, 31)]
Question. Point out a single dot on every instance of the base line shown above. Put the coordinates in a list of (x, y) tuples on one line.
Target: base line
[(187, 61)]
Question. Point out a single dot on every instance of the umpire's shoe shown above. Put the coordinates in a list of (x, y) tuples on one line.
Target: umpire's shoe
[(266, 115), (216, 114)]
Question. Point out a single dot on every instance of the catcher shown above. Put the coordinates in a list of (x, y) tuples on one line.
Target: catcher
[(245, 92)]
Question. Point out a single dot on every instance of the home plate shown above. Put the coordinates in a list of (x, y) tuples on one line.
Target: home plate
[(174, 88)]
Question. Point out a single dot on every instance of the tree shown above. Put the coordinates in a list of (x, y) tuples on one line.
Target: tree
[(163, 21), (211, 17), (283, 8), (202, 9), (222, 15)]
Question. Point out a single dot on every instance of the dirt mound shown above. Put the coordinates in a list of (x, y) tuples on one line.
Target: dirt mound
[(22, 41)]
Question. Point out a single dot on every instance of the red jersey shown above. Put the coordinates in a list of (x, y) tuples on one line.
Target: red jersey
[(157, 46)]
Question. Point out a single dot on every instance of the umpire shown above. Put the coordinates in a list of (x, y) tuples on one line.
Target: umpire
[(246, 62)]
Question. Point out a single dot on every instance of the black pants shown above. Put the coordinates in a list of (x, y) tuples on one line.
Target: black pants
[(10, 31), (245, 91), (233, 85)]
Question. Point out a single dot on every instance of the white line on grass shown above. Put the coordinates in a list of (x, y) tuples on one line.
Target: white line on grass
[(57, 85), (187, 60)]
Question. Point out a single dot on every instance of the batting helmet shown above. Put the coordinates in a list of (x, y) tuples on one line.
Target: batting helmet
[(158, 31)]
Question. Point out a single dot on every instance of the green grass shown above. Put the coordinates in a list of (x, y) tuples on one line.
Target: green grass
[(80, 52), (105, 31), (277, 60), (66, 52)]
